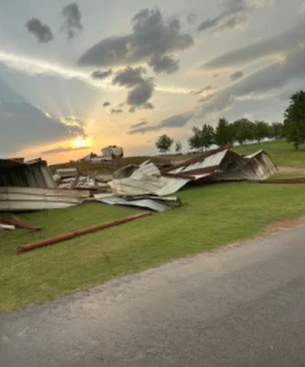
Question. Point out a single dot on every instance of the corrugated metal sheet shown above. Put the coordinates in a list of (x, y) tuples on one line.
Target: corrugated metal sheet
[(28, 199), (217, 165), (157, 204)]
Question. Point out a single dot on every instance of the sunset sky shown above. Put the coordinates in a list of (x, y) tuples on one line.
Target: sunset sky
[(78, 76)]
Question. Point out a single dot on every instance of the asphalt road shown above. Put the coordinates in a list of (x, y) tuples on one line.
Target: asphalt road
[(242, 305)]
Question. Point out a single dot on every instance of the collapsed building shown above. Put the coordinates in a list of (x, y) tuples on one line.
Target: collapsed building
[(31, 186)]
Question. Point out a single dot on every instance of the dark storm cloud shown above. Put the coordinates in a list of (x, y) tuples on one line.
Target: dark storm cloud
[(129, 77), (265, 47), (63, 150), (101, 74), (72, 24), (237, 75), (232, 14), (175, 121), (114, 111), (41, 31), (36, 127), (269, 78), (152, 36), (163, 64), (106, 104)]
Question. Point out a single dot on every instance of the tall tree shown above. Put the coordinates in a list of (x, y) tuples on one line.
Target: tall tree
[(243, 130), (164, 143), (294, 124), (261, 130), (178, 147), (195, 141), (277, 130), (207, 136), (224, 132), (202, 138)]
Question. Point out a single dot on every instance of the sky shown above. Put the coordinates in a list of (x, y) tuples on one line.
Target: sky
[(78, 76)]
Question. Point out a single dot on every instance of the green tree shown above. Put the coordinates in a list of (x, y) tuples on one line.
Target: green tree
[(195, 140), (224, 132), (277, 130), (207, 136), (261, 130), (294, 123), (178, 147), (243, 130), (164, 143), (202, 138)]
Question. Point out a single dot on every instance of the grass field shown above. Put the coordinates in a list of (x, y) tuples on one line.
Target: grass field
[(211, 216), (283, 154)]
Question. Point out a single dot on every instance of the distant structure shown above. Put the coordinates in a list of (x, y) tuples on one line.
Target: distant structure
[(112, 151), (108, 154)]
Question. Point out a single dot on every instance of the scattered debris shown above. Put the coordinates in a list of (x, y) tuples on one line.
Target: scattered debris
[(155, 203), (7, 227), (19, 224), (82, 232)]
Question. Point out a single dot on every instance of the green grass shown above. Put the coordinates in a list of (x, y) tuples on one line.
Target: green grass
[(282, 153), (210, 217)]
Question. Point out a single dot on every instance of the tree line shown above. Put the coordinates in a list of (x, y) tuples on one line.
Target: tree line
[(243, 130)]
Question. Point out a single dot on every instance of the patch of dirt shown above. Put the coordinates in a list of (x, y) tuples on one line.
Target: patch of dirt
[(284, 169), (284, 225)]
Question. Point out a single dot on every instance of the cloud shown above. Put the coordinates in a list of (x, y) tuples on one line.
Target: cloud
[(233, 13), (269, 78), (139, 124), (106, 104), (269, 46), (163, 64), (140, 94), (41, 31), (72, 20), (33, 66), (129, 77), (37, 127), (207, 98), (199, 91), (75, 125), (152, 36), (63, 150), (237, 75), (116, 111), (140, 89), (175, 121), (191, 18), (101, 74)]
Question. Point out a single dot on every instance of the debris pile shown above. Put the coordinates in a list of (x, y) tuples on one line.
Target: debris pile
[(213, 166), (31, 186)]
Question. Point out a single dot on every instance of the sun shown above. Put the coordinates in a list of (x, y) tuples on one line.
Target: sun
[(80, 143)]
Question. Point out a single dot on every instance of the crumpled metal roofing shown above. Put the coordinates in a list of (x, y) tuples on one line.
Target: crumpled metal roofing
[(216, 165), (155, 203)]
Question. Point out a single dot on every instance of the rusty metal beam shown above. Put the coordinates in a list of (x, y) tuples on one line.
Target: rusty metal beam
[(82, 232)]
